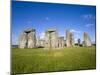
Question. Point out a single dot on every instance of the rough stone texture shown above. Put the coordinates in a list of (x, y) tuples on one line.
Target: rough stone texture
[(87, 40), (83, 43), (28, 39), (22, 40), (38, 41), (32, 39), (51, 38), (69, 38), (61, 42)]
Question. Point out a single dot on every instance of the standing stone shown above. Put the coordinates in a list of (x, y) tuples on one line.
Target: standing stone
[(38, 41), (22, 40), (87, 40), (32, 38), (51, 38), (28, 39), (69, 39), (61, 42), (72, 39), (83, 43)]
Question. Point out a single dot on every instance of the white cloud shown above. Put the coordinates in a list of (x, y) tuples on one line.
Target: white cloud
[(74, 31), (42, 35), (76, 37), (89, 25), (88, 16), (77, 34)]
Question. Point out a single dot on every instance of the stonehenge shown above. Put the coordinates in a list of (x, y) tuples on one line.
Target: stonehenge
[(69, 39), (61, 42), (37, 41), (29, 39), (51, 38), (87, 40), (22, 41)]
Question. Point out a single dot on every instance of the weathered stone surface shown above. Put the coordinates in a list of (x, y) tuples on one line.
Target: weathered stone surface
[(37, 41), (83, 43), (28, 39), (32, 39), (87, 40), (22, 40), (69, 38), (61, 42), (51, 38)]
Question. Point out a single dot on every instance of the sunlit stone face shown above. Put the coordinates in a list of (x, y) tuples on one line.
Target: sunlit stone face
[(87, 40), (51, 38), (69, 39), (28, 39)]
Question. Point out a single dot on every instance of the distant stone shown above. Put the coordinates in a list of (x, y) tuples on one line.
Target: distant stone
[(61, 42), (87, 40), (69, 39)]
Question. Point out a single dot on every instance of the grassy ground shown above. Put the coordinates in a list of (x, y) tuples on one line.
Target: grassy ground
[(42, 60)]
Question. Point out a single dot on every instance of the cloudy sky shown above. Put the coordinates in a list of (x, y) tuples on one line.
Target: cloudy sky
[(43, 16)]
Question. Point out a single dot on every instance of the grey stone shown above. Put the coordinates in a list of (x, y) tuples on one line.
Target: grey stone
[(28, 39), (51, 38), (22, 40), (61, 42), (38, 41), (69, 39), (87, 40)]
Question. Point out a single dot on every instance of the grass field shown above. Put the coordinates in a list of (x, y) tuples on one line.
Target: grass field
[(42, 60)]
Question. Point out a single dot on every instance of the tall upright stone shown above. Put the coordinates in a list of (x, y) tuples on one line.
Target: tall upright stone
[(87, 40), (28, 39), (23, 40), (31, 38), (83, 43), (51, 38), (61, 42), (38, 41), (69, 39)]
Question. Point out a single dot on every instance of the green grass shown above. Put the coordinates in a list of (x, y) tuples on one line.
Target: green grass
[(42, 60)]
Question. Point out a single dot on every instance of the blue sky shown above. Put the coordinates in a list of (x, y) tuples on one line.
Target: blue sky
[(42, 16)]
